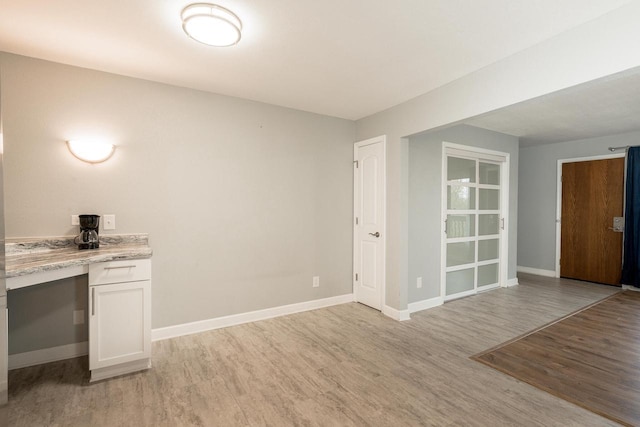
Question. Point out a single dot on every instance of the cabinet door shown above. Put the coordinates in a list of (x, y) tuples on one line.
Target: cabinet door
[(119, 323)]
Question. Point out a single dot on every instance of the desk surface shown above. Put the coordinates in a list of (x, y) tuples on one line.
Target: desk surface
[(33, 261)]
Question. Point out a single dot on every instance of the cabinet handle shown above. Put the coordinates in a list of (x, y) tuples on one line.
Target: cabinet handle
[(93, 301), (119, 267)]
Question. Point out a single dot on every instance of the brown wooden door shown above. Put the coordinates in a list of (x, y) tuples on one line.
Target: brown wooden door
[(592, 194)]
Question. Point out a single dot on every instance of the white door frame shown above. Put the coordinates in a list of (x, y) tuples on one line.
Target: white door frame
[(383, 234), (559, 196), (504, 210)]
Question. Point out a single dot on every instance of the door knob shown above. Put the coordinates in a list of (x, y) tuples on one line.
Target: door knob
[(376, 234)]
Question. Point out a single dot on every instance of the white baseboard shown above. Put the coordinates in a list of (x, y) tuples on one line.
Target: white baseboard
[(252, 316), (425, 304), (395, 314), (46, 355), (514, 282), (536, 271)]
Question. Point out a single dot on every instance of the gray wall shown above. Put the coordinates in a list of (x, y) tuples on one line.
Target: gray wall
[(244, 202), (42, 316), (425, 204), (538, 193)]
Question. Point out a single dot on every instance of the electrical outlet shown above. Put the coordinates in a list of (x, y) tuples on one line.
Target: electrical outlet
[(109, 222), (75, 219), (316, 281), (78, 317), (419, 282)]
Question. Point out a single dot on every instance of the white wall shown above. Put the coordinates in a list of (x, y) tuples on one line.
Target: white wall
[(601, 47), (244, 202), (425, 201), (538, 193)]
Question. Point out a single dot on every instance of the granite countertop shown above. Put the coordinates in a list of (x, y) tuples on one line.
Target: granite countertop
[(37, 255)]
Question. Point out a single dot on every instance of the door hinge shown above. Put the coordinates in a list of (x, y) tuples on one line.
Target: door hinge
[(356, 220), (355, 162), (356, 277)]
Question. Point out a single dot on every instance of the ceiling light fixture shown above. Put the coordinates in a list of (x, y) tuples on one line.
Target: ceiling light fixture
[(91, 151), (211, 24)]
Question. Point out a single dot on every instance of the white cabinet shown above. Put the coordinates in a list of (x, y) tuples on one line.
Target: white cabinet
[(119, 317)]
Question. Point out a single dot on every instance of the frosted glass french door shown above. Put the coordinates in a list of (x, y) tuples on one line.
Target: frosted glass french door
[(473, 224)]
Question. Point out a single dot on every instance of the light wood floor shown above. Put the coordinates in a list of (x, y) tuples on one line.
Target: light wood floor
[(341, 366)]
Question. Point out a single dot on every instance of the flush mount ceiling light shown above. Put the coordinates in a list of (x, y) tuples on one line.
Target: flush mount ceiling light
[(211, 24), (91, 151)]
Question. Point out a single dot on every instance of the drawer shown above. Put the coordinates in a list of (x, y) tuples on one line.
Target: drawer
[(103, 273)]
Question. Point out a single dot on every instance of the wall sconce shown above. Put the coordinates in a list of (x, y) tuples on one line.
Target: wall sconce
[(91, 151)]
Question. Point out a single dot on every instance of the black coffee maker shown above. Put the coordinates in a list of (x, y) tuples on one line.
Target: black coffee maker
[(88, 238)]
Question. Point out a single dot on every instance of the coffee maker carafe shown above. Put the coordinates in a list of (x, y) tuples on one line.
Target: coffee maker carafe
[(88, 238)]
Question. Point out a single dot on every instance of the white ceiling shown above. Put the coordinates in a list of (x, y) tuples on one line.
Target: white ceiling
[(341, 58), (602, 107)]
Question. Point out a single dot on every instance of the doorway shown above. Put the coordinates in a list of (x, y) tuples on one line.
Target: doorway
[(369, 228), (591, 197), (475, 202)]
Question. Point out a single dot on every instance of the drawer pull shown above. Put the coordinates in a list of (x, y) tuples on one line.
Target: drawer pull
[(119, 267), (93, 301)]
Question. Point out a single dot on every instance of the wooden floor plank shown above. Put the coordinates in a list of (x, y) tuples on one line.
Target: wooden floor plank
[(591, 358), (346, 365)]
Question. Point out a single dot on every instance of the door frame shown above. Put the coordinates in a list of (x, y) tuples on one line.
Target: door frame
[(382, 139), (561, 162), (504, 209)]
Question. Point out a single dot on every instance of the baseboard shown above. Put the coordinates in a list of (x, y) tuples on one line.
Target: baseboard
[(514, 282), (252, 316), (395, 314), (46, 355), (120, 369), (536, 271), (425, 304)]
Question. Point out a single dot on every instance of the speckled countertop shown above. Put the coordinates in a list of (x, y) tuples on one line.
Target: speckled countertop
[(37, 255)]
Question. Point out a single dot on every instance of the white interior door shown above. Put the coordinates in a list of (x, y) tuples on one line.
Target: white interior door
[(369, 221), (475, 206)]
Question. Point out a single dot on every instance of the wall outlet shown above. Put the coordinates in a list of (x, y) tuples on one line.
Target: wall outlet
[(109, 222), (75, 219), (419, 283), (78, 317), (316, 281)]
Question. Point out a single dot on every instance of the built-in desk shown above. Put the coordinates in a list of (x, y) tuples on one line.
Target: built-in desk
[(119, 293), (34, 261)]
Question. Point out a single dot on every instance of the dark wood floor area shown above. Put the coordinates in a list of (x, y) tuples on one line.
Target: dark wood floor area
[(346, 365), (591, 358)]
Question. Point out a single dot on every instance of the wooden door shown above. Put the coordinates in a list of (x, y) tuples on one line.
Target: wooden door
[(592, 195), (369, 231)]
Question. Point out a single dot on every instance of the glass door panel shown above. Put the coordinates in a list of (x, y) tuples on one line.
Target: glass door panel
[(489, 173), (461, 226), (487, 275), (488, 224), (461, 170), (461, 253), (461, 197), (489, 199), (488, 249), (460, 281)]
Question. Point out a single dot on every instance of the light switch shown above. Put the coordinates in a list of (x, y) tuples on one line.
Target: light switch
[(109, 222)]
